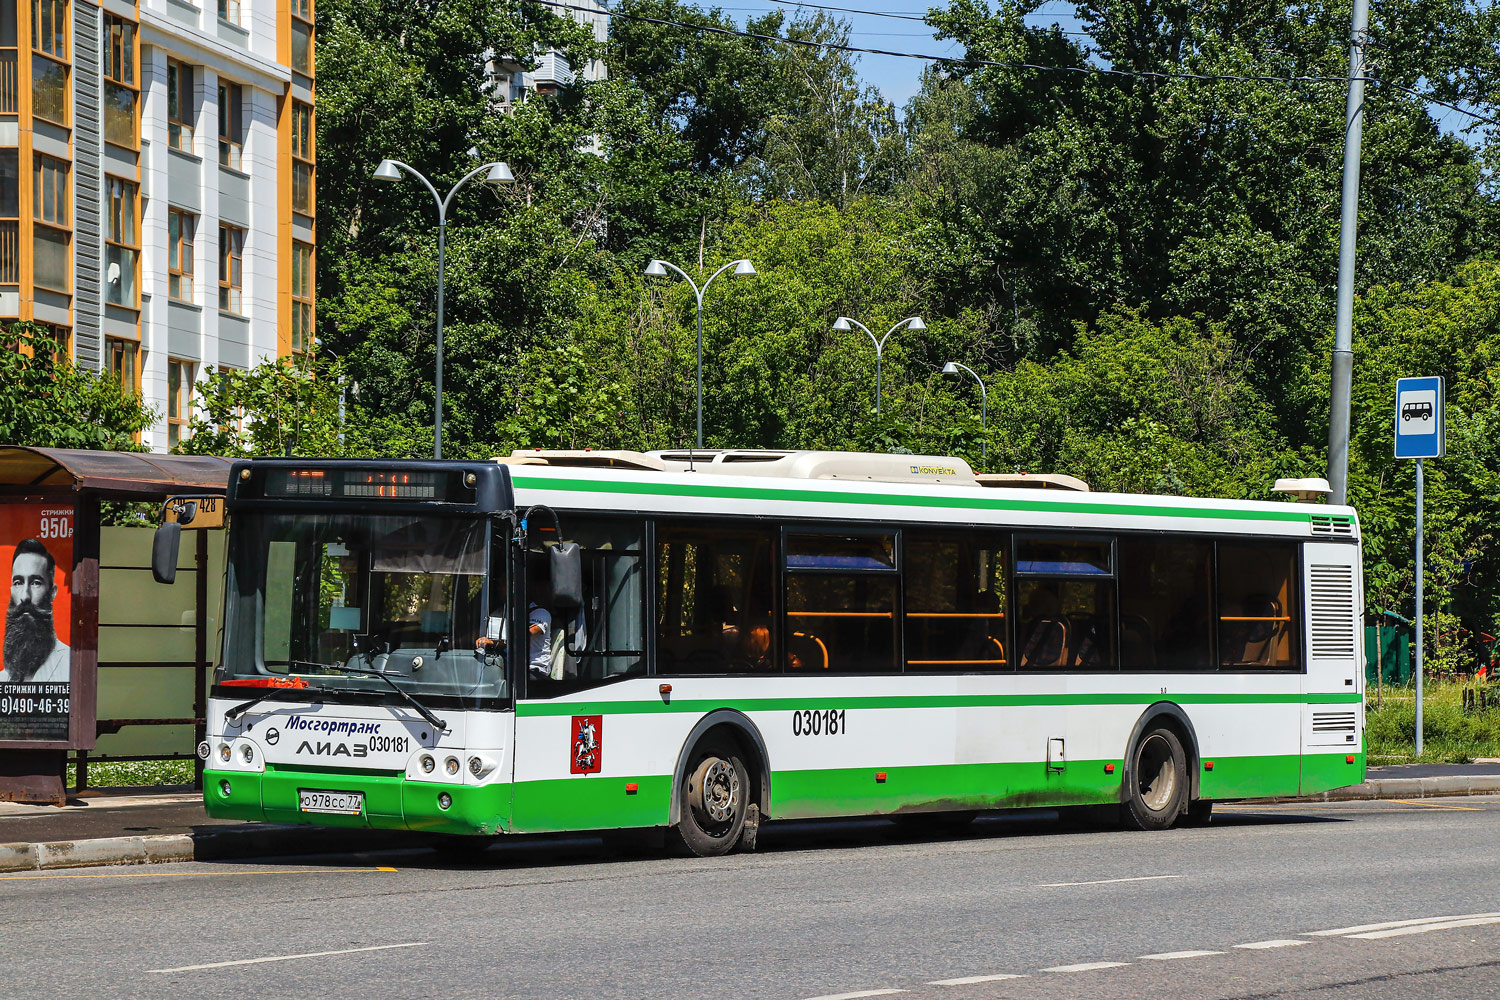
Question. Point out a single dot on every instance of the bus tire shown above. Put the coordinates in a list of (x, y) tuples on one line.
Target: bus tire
[(1157, 790), (712, 800)]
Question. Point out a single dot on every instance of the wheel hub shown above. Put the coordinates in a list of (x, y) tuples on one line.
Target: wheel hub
[(715, 791), (1157, 776)]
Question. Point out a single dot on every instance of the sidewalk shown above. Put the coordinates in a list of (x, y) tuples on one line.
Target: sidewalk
[(139, 825)]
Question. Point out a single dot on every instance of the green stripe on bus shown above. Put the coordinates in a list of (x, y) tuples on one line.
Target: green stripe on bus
[(889, 499), (703, 706)]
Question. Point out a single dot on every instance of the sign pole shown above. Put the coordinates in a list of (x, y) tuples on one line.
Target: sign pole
[(1419, 607), (1421, 432)]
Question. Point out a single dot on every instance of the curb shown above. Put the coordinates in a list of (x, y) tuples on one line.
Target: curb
[(252, 840), (1407, 788)]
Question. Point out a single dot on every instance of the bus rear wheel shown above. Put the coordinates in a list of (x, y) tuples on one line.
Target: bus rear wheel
[(1157, 791), (712, 802)]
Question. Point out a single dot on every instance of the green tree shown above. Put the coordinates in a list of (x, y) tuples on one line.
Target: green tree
[(47, 401)]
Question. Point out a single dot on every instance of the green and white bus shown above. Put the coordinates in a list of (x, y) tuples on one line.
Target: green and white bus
[(695, 641)]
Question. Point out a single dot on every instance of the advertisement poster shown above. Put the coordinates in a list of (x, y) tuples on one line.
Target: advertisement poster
[(36, 545)]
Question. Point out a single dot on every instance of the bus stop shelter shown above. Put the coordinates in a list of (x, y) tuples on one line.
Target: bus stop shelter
[(67, 565)]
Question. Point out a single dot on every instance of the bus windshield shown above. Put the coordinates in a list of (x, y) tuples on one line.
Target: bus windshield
[(403, 595)]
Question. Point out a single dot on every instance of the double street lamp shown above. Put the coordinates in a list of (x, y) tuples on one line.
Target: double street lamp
[(910, 322), (658, 269), (953, 368), (495, 173)]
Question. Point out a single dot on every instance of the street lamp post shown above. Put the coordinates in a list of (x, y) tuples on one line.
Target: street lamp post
[(495, 173), (953, 368), (910, 322), (658, 269)]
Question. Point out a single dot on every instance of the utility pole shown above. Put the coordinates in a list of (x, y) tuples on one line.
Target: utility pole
[(1343, 353)]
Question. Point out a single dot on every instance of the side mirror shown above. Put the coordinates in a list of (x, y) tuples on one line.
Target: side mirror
[(566, 563), (164, 548)]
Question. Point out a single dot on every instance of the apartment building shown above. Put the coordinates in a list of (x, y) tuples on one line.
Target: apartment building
[(157, 186), (510, 84)]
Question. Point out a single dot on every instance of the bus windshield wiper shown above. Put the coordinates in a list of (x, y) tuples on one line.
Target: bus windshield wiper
[(242, 708), (422, 709)]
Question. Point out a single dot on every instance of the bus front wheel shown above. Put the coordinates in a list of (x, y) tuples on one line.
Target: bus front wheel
[(1157, 789), (712, 802)]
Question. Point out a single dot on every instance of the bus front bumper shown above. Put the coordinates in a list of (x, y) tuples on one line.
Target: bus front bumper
[(390, 802)]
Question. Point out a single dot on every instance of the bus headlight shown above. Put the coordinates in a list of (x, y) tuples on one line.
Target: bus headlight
[(247, 754), (428, 763), (224, 752), (204, 750), (445, 800), (480, 766), (451, 765)]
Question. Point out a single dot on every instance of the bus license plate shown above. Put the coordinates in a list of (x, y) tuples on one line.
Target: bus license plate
[(339, 803)]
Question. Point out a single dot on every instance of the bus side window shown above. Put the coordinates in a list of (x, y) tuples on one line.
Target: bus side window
[(1166, 609), (841, 603), (1258, 623), (713, 600), (1065, 591), (954, 602)]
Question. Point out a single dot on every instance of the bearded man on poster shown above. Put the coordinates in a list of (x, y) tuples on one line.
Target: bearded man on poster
[(32, 650)]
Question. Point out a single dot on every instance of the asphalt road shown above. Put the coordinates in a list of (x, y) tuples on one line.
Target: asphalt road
[(820, 911)]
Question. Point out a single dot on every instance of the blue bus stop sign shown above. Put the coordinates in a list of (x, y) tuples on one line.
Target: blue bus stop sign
[(1421, 430)]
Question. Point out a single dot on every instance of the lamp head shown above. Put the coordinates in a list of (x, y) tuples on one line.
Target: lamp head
[(500, 174), (915, 323), (842, 323), (950, 369), (387, 171), (744, 268), (656, 269)]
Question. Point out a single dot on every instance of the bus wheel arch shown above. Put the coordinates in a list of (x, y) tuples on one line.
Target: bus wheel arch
[(1163, 717), (735, 733)]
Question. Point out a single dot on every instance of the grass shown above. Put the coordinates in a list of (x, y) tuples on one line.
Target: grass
[(1449, 734), (131, 774)]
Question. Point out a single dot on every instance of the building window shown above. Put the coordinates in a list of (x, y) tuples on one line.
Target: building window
[(49, 60), (231, 124), (302, 296), (122, 244), (180, 228), (49, 89), (302, 9), (10, 217), (125, 364), (179, 105), (50, 236), (231, 278), (50, 190), (179, 400), (302, 156), (302, 47), (119, 84), (229, 10), (49, 27)]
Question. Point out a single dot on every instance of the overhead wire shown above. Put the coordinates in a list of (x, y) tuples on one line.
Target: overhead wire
[(970, 61)]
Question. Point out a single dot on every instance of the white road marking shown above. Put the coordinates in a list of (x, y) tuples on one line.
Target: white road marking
[(1172, 956), (1277, 943), (1086, 966), (971, 980), (313, 954), (1426, 928), (1361, 928), (1106, 881), (856, 996)]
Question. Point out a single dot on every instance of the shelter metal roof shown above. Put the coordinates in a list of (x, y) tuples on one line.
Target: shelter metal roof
[(117, 473)]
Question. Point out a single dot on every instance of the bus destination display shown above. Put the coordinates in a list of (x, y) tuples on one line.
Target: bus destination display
[(357, 484)]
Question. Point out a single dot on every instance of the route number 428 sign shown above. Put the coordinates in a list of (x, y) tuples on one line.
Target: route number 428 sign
[(1421, 425)]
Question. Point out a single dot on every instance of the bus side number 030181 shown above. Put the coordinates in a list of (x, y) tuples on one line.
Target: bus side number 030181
[(808, 722)]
